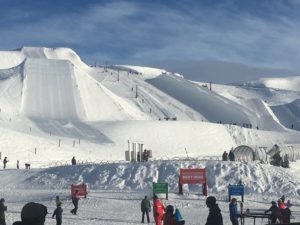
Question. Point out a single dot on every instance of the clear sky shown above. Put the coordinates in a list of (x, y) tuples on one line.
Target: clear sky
[(257, 33)]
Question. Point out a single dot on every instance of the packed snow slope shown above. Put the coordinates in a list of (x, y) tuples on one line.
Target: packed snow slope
[(53, 106)]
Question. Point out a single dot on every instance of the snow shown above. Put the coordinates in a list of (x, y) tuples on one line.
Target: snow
[(53, 107)]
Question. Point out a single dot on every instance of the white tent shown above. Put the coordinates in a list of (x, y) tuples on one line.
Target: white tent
[(248, 153)]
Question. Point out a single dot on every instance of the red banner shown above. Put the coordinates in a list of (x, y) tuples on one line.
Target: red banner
[(192, 176), (82, 189)]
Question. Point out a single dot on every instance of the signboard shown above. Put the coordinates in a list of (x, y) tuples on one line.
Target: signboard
[(236, 190), (192, 176), (82, 189), (160, 188)]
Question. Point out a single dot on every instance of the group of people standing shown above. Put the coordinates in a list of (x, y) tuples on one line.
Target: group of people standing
[(167, 215), (229, 156), (280, 212)]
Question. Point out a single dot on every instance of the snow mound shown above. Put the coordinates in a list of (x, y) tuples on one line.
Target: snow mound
[(257, 178)]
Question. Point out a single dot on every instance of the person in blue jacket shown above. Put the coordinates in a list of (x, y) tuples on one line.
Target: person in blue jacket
[(233, 212), (58, 214)]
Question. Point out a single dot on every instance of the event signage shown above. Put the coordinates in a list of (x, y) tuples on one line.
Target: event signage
[(192, 176), (236, 190), (160, 188)]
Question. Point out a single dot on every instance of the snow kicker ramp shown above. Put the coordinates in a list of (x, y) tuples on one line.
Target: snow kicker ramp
[(48, 89)]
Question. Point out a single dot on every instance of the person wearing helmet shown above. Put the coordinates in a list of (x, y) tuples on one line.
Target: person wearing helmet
[(169, 217), (214, 216), (158, 210)]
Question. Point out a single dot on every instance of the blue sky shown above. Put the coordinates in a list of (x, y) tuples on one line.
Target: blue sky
[(258, 33)]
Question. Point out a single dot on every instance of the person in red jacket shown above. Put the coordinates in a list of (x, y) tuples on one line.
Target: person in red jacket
[(158, 210)]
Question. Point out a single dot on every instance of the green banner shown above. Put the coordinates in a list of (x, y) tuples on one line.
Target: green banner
[(160, 188)]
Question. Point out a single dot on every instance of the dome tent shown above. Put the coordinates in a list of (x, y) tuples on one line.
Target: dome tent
[(248, 154), (292, 152)]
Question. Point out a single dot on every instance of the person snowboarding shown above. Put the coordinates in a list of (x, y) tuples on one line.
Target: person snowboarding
[(158, 210), (73, 161), (145, 208), (169, 217), (58, 214), (214, 216), (3, 208), (75, 200), (5, 161), (233, 211)]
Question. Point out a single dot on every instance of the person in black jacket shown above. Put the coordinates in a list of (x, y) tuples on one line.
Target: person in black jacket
[(3, 208), (145, 208), (32, 213), (214, 216), (58, 213)]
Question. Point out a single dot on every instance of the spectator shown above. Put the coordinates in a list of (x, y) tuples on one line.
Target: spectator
[(275, 213), (32, 214), (73, 161), (5, 161), (225, 156), (231, 155), (3, 208), (145, 208), (75, 200), (158, 210), (214, 216), (233, 212), (58, 214)]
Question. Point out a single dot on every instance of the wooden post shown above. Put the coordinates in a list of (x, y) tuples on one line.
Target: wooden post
[(34, 150), (58, 142)]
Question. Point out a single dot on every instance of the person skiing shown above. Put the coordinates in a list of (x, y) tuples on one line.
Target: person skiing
[(145, 208), (225, 156), (158, 210), (233, 211), (58, 214), (32, 213), (3, 208), (73, 161), (75, 200), (169, 217), (5, 161), (275, 213), (214, 216)]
